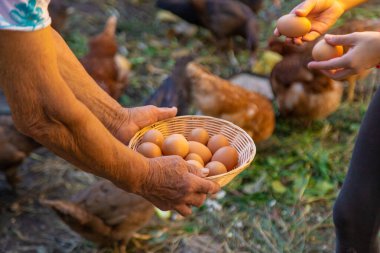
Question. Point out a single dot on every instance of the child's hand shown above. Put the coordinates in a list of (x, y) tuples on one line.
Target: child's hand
[(364, 53), (322, 15)]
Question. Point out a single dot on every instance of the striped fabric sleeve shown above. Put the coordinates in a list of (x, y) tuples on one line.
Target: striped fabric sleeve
[(24, 15)]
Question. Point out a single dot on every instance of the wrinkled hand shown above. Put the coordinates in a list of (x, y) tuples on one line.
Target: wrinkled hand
[(322, 15), (364, 53), (173, 184), (139, 117)]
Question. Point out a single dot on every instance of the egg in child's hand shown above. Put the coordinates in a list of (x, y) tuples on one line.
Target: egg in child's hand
[(175, 144), (201, 150), (216, 168), (323, 51), (195, 163), (200, 135), (149, 150), (293, 26), (153, 136), (216, 142), (196, 157), (226, 155)]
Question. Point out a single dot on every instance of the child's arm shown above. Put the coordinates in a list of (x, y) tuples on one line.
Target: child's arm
[(364, 53), (322, 15)]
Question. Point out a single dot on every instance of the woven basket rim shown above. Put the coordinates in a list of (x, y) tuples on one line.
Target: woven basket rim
[(236, 170)]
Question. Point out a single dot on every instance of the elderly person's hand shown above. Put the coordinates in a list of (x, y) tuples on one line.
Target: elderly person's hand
[(322, 15), (173, 184), (364, 53)]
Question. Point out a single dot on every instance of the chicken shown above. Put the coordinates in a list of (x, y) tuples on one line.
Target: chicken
[(104, 214), (14, 148), (109, 69), (255, 5), (300, 92), (59, 12), (175, 90), (220, 98), (224, 18)]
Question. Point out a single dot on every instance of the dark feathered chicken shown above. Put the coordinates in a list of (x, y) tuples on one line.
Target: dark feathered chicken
[(104, 213), (224, 18), (255, 5), (14, 146), (175, 90), (58, 12)]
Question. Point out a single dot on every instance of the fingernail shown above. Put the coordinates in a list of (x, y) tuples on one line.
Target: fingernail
[(328, 36), (205, 171)]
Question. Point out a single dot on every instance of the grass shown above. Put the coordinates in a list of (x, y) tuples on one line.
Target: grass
[(283, 202)]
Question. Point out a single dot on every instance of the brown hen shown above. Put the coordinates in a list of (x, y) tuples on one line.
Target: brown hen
[(220, 98), (109, 69), (300, 92), (104, 214)]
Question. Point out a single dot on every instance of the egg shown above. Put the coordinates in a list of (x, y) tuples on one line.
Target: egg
[(216, 168), (200, 135), (195, 163), (323, 51), (196, 157), (293, 26), (216, 142), (175, 144), (226, 155), (153, 136), (201, 150), (149, 150)]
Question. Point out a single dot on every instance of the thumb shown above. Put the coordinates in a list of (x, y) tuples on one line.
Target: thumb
[(342, 40), (166, 112), (198, 172), (305, 8)]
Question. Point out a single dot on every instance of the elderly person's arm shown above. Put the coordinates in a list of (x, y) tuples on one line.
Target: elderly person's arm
[(123, 123), (45, 108)]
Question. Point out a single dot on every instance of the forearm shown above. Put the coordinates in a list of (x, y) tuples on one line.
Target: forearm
[(86, 90), (348, 4), (45, 108)]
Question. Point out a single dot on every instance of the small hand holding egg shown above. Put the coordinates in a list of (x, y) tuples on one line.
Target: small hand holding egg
[(363, 54)]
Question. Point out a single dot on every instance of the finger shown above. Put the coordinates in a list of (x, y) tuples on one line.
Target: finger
[(344, 40), (206, 186), (311, 36), (288, 40), (277, 32), (297, 41), (340, 74), (165, 112), (196, 200), (336, 63), (198, 172), (305, 8), (183, 210)]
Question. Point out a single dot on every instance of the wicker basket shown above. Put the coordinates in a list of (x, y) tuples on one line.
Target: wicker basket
[(237, 137)]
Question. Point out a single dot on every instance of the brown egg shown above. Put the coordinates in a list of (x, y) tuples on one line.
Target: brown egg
[(196, 157), (323, 51), (153, 136), (201, 150), (226, 155), (200, 135), (293, 26), (195, 163), (216, 168), (149, 150), (216, 142), (175, 144)]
